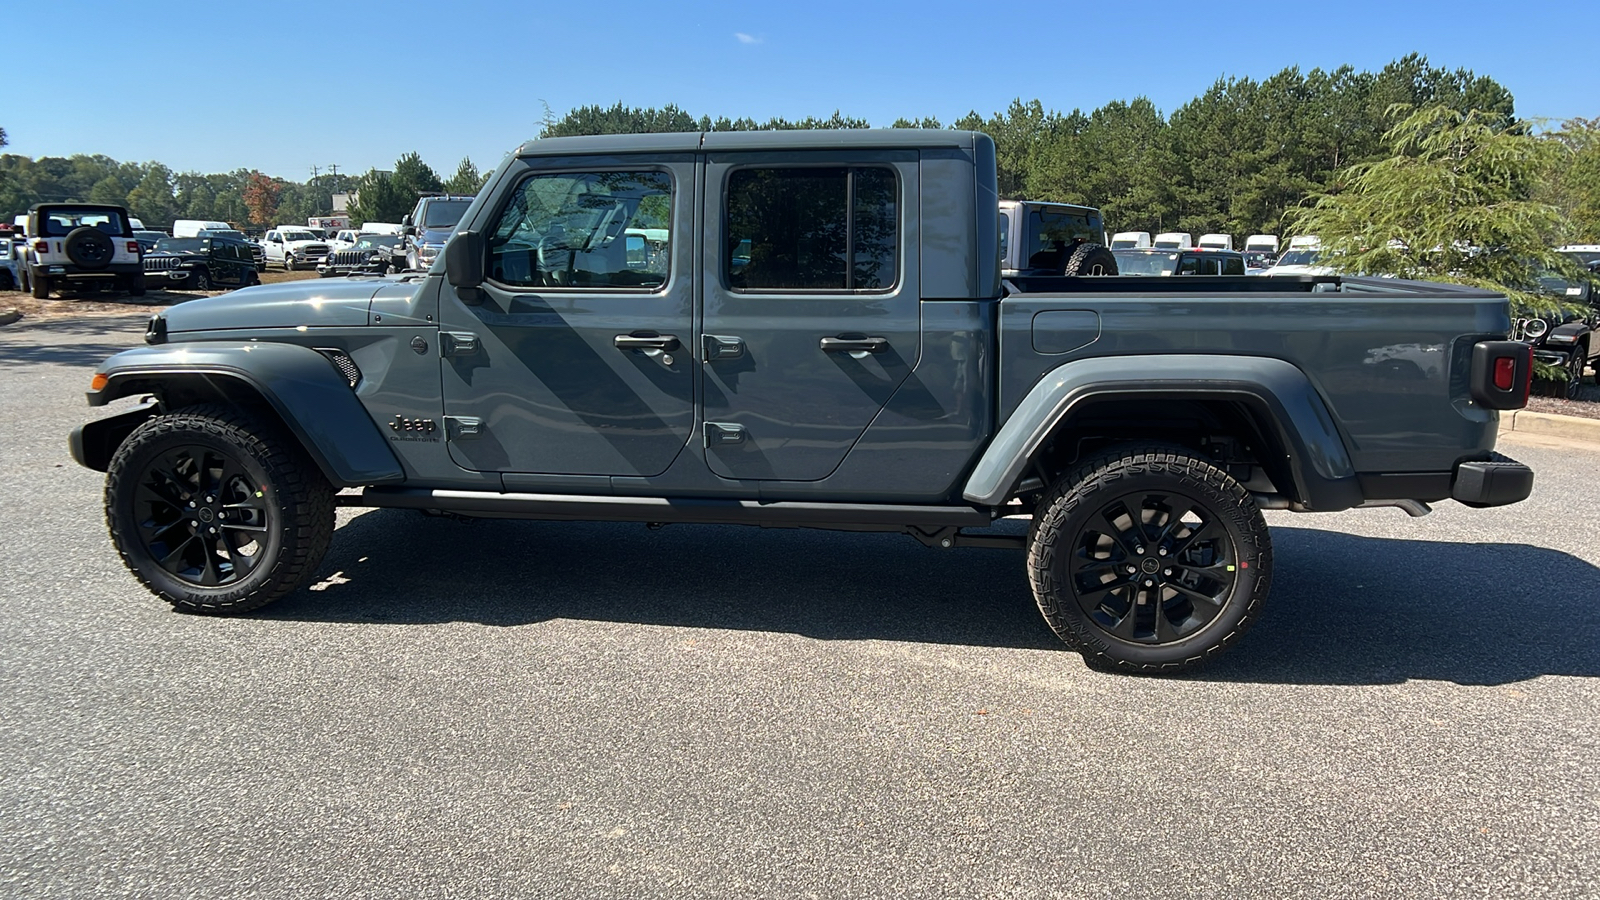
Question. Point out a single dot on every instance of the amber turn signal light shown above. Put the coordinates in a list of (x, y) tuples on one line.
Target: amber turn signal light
[(99, 382)]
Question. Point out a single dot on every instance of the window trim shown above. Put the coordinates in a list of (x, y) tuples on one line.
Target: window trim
[(724, 272), (494, 214)]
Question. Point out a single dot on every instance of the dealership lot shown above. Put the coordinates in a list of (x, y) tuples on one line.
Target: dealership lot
[(575, 710)]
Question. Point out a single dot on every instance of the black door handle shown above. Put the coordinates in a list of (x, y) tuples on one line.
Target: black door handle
[(645, 340), (854, 344)]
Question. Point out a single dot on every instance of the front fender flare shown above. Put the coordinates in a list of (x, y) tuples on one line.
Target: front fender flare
[(301, 385), (1318, 460)]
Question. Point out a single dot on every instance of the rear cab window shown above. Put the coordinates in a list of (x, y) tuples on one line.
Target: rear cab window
[(815, 228)]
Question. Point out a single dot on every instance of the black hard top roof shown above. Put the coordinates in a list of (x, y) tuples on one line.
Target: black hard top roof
[(799, 139)]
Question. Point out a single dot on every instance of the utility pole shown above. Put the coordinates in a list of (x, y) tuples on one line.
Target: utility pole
[(314, 172)]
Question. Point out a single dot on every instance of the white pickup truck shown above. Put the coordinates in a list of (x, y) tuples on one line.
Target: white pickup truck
[(294, 247)]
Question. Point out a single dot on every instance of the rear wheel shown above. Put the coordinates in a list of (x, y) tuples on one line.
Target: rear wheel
[(1149, 559), (136, 285), (41, 287), (216, 512)]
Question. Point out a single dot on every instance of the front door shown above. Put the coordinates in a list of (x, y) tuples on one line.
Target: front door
[(811, 309), (575, 357)]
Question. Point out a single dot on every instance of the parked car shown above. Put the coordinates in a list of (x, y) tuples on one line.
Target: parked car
[(429, 225), (147, 239), (257, 252), (294, 247), (1304, 257), (193, 227), (1266, 243), (1216, 241), (1570, 340), (343, 239), (1258, 261), (1130, 240), (12, 247), (363, 256), (201, 264), (1173, 240), (865, 368), (1194, 261), (81, 245), (1052, 239)]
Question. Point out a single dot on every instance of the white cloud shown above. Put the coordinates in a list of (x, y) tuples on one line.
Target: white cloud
[(746, 38)]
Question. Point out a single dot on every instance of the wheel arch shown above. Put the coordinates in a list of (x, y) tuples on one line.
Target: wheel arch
[(1268, 404), (295, 387)]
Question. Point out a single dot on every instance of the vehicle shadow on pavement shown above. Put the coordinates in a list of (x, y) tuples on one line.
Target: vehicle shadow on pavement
[(398, 567), (1347, 609), (1344, 609)]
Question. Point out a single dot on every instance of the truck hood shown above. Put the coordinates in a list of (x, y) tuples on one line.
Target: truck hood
[(319, 303)]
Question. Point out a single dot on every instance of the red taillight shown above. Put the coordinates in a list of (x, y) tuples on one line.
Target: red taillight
[(1505, 369), (133, 247), (41, 246)]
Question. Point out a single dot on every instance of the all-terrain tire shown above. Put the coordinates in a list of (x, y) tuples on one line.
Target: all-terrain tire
[(1090, 259), (41, 287), (181, 475), (136, 286), (1234, 565)]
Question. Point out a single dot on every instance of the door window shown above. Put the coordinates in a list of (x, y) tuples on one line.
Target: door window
[(819, 229), (1233, 265), (585, 230)]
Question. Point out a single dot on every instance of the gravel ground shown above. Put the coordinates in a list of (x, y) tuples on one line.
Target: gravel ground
[(592, 710)]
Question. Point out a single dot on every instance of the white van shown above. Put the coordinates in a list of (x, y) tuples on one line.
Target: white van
[(188, 228), (1261, 243), (1216, 241), (1130, 240), (1174, 240), (381, 228)]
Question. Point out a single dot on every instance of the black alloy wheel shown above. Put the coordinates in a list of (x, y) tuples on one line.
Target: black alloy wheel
[(215, 512), (1575, 367), (202, 280), (1149, 559)]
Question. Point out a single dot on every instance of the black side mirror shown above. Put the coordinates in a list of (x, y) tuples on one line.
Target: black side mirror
[(463, 264)]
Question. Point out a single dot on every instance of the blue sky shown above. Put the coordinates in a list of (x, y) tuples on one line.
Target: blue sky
[(360, 83)]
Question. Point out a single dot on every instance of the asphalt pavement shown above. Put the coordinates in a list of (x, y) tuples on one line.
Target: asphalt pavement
[(517, 709)]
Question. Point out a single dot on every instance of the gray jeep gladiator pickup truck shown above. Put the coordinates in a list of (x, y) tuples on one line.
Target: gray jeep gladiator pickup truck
[(821, 339)]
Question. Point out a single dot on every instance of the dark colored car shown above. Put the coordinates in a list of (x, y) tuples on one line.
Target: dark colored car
[(200, 264), (820, 336), (1150, 261), (1257, 260), (370, 253), (1568, 340), (257, 252), (147, 239), (427, 228)]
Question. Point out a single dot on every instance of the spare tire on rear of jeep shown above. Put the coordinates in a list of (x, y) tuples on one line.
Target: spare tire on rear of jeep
[(1090, 259), (89, 248)]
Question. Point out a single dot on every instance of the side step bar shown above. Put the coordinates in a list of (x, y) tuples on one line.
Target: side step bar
[(675, 510)]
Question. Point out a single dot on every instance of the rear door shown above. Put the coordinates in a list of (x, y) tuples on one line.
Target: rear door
[(575, 356), (811, 312)]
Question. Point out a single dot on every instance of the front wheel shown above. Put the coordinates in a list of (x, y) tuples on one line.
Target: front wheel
[(202, 280), (288, 264), (1575, 367), (1149, 559), (216, 512)]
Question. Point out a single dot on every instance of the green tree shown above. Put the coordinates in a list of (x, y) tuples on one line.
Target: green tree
[(377, 200), (151, 199), (466, 180), (109, 189), (1454, 202), (1575, 187), (412, 177)]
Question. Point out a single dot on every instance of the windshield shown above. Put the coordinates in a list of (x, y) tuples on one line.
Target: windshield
[(1144, 262), (60, 222), (1301, 258), (300, 236), (1258, 259), (1584, 257), (374, 241), (181, 245), (1049, 233), (444, 213)]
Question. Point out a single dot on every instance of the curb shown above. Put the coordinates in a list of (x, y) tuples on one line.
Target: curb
[(7, 316), (1570, 427)]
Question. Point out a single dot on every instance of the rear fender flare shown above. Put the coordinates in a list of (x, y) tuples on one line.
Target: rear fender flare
[(1318, 459), (298, 383)]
